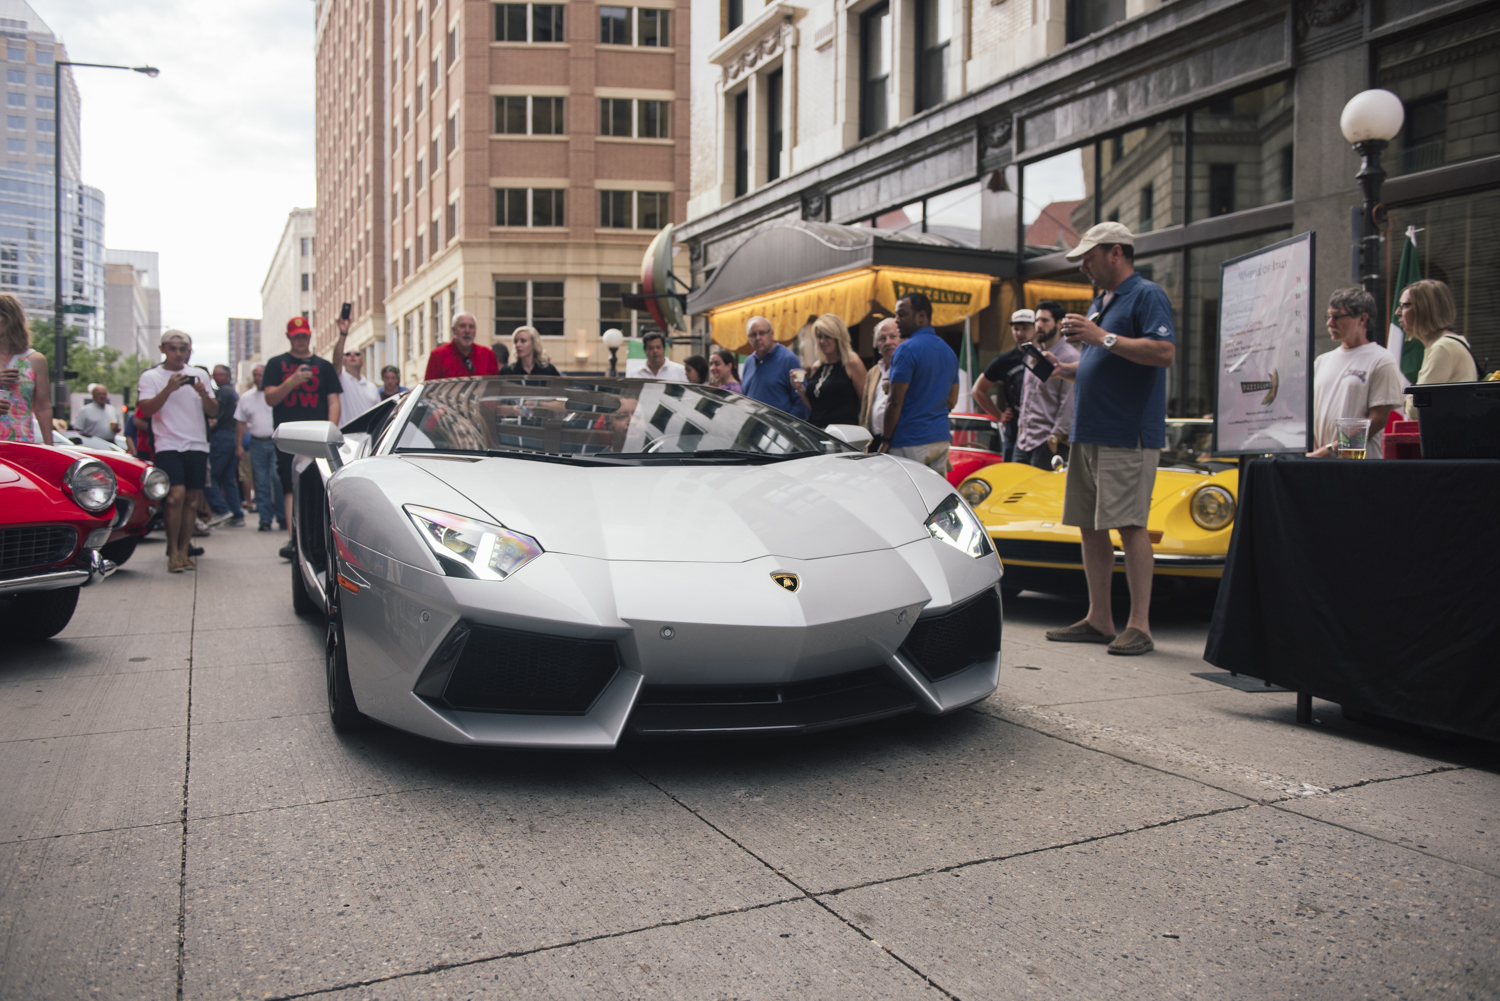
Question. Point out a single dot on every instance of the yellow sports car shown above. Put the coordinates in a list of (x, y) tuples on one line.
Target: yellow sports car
[(1192, 515)]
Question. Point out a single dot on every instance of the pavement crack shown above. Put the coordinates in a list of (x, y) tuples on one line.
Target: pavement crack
[(187, 768), (522, 953)]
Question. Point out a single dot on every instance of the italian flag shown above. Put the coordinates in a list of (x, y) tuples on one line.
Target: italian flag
[(968, 374)]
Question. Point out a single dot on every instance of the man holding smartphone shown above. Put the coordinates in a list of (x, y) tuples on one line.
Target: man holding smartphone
[(298, 386), (358, 394), (174, 397)]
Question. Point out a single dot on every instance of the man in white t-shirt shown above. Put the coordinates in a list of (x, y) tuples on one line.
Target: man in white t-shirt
[(253, 414), (657, 364), (360, 394), (175, 397), (1358, 379)]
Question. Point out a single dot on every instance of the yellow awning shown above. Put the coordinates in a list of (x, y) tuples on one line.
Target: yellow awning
[(851, 296), (1074, 296)]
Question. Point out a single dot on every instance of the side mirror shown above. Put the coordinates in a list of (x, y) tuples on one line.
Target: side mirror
[(851, 434), (314, 439)]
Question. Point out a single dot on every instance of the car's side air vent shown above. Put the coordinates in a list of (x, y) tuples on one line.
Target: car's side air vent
[(945, 644), (34, 547), (1014, 497), (483, 669)]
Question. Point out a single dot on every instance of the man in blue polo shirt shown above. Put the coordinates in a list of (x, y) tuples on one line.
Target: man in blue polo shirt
[(1127, 343), (767, 374), (924, 387)]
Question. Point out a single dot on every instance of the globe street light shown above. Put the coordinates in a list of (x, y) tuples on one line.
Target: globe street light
[(612, 340), (1371, 119), (60, 406)]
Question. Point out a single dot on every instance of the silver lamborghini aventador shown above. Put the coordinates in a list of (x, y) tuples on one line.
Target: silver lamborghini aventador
[(547, 562)]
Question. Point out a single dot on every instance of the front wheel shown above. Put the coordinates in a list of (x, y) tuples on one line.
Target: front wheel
[(120, 550), (40, 615), (343, 711)]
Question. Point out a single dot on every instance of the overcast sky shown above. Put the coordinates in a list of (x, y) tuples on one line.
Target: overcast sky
[(203, 163)]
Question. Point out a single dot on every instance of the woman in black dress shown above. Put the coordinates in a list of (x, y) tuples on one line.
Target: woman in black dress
[(829, 387), (530, 358)]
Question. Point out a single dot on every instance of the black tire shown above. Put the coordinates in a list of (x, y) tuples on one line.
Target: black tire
[(1010, 591), (343, 711), (302, 602), (120, 550), (40, 615)]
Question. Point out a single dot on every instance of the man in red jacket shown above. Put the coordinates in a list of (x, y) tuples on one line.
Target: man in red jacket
[(461, 356)]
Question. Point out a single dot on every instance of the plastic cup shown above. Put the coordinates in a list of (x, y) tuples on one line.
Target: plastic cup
[(1353, 435)]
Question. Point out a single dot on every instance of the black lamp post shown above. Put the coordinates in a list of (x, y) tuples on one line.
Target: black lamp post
[(1370, 120), (60, 345), (613, 338)]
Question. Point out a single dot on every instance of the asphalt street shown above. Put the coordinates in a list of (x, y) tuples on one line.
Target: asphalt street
[(183, 823)]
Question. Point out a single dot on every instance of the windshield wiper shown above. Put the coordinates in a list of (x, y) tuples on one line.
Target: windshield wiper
[(569, 458), (725, 455)]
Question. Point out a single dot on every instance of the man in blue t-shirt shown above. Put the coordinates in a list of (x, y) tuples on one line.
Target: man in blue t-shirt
[(924, 387), (1127, 343), (767, 374)]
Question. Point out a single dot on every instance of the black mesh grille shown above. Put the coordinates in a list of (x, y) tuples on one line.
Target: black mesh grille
[(513, 672), (946, 644), (30, 548), (1039, 552)]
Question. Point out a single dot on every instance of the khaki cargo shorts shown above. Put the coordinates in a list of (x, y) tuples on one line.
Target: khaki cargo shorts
[(1109, 487), (933, 455)]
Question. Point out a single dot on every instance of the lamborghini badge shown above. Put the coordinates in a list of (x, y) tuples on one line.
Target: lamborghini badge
[(786, 580)]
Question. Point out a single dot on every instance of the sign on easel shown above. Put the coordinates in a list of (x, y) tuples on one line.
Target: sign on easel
[(1264, 365)]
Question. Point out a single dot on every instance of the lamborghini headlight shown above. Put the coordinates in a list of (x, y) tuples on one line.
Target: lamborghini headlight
[(91, 484), (974, 491), (955, 524), (485, 551), (155, 483), (1212, 508)]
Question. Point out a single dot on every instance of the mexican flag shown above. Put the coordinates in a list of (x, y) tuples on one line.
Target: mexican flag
[(1408, 350), (968, 374), (635, 357)]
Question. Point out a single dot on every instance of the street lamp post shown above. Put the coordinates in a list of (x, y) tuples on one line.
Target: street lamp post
[(613, 338), (1370, 120), (59, 342)]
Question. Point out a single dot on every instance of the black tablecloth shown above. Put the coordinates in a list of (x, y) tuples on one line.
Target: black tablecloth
[(1372, 584)]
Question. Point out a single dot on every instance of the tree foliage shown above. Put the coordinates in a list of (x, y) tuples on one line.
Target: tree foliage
[(104, 364)]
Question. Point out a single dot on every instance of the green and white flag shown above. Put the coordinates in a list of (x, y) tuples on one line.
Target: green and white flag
[(967, 374), (1408, 350)]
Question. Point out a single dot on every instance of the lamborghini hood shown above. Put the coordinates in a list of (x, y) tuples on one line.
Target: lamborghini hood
[(802, 508)]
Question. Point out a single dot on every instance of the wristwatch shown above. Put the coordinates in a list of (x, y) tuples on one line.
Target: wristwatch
[(1109, 342)]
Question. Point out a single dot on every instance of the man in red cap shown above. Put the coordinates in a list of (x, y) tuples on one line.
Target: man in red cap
[(461, 356), (298, 386)]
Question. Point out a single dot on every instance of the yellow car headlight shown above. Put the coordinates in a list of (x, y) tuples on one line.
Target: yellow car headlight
[(1212, 508), (974, 491)]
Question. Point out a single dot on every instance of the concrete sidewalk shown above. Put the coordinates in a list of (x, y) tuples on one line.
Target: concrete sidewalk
[(183, 823)]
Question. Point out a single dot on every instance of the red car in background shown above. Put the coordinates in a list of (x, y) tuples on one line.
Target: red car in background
[(141, 489), (56, 509), (976, 444)]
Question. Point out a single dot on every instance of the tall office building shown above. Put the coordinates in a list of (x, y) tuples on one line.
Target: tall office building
[(351, 100), (132, 302), (515, 163), (244, 340), (288, 288), (26, 184)]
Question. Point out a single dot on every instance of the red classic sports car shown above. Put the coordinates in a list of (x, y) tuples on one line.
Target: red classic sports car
[(976, 444), (56, 506), (142, 486)]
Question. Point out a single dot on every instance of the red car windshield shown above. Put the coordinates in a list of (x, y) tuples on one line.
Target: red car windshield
[(974, 432)]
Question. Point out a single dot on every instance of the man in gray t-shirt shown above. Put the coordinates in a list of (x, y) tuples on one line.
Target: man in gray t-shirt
[(97, 417)]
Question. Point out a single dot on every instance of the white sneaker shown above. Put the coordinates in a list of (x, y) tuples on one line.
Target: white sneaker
[(219, 519), (200, 530)]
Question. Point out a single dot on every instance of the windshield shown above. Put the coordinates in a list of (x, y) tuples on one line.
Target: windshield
[(1190, 441), (975, 432), (633, 420)]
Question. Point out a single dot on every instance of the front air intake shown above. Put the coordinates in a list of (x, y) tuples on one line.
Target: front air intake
[(32, 548), (484, 669), (942, 645)]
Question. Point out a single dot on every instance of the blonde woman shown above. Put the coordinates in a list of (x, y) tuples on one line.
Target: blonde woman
[(23, 378), (1427, 312), (831, 387), (530, 358)]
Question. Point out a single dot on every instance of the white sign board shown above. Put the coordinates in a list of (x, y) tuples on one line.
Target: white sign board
[(1265, 351)]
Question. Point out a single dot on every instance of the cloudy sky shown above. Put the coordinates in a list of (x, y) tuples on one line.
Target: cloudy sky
[(202, 163)]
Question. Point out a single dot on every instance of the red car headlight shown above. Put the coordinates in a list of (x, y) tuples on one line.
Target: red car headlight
[(91, 484), (155, 483)]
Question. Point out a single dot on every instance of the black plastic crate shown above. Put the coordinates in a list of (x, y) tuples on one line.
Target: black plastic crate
[(1459, 420)]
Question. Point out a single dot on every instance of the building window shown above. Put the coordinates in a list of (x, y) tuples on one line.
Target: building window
[(774, 131), (452, 221), (520, 22), (541, 206), (649, 119), (545, 116), (652, 119), (510, 116), (614, 117), (433, 242), (634, 26), (433, 156), (15, 145), (306, 246), (1220, 188), (15, 100), (44, 80), (1241, 146), (614, 25), (16, 122), (634, 209), (1148, 210), (653, 27), (734, 16), (436, 307), (934, 29), (528, 303), (421, 245), (44, 57), (16, 54), (306, 282), (42, 103), (741, 143), (452, 132), (614, 314), (1088, 16), (406, 47), (405, 119), (406, 191), (421, 20), (615, 210), (421, 90), (652, 209), (1287, 164), (874, 68), (15, 76)]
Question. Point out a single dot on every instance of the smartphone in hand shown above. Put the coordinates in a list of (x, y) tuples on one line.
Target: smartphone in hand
[(345, 310), (1037, 362)]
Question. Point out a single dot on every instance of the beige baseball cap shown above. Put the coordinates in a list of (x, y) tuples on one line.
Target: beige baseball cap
[(1104, 232), (1023, 316)]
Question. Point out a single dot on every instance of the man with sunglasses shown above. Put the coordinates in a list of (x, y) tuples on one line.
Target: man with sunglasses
[(359, 394), (1358, 379), (174, 396)]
